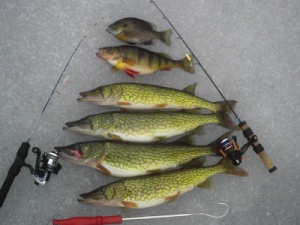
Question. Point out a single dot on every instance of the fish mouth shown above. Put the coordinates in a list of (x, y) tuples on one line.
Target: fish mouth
[(89, 97), (94, 197), (113, 30), (101, 54), (70, 152), (82, 126), (97, 197), (84, 123)]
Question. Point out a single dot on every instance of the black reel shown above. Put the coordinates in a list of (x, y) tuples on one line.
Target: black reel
[(228, 147), (41, 173), (44, 166)]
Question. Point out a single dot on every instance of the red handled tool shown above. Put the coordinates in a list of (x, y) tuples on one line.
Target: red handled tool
[(118, 219)]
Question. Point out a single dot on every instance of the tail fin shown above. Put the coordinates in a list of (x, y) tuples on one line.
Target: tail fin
[(187, 64), (226, 121), (165, 37), (223, 106), (231, 169)]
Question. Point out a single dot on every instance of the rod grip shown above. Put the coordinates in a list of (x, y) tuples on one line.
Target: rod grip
[(13, 171), (98, 220), (257, 147)]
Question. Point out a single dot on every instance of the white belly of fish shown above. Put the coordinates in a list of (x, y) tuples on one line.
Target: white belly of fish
[(146, 137), (156, 202), (119, 172)]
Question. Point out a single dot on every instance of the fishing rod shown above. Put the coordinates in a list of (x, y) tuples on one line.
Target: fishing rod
[(118, 219), (247, 131), (49, 160)]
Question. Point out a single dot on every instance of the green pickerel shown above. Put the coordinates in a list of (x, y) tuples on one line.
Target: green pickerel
[(146, 126), (123, 159), (152, 190), (150, 97)]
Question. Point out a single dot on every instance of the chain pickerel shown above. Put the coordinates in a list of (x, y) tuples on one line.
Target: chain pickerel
[(139, 61), (146, 126), (123, 159), (152, 190), (148, 97)]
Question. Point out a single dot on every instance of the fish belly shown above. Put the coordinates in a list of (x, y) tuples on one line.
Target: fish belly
[(143, 137), (156, 202), (119, 172)]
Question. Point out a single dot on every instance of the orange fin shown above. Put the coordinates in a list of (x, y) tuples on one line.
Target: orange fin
[(114, 137), (130, 204), (132, 71), (103, 169), (172, 198), (124, 103), (162, 105), (130, 75), (153, 171)]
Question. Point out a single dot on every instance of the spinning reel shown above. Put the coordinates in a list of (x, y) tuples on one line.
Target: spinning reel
[(41, 173), (50, 165)]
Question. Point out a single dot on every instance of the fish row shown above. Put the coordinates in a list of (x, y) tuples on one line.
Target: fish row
[(159, 113), (139, 61)]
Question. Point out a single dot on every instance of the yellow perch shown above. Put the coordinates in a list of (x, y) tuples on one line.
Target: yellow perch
[(138, 61)]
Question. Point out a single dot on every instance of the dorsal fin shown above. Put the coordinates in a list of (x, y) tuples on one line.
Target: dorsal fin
[(191, 88)]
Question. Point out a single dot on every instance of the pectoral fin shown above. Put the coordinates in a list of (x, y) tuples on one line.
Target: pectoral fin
[(130, 75), (207, 184), (129, 62), (172, 198), (130, 204), (103, 169), (114, 137)]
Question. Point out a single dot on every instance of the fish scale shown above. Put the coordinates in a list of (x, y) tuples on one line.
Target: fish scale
[(131, 159), (146, 126), (152, 190), (142, 158), (145, 96), (139, 61)]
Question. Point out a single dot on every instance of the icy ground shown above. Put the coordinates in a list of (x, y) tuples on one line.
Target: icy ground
[(250, 48)]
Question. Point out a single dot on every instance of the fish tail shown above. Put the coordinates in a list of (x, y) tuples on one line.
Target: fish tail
[(226, 121), (187, 64), (224, 107), (165, 37), (231, 169)]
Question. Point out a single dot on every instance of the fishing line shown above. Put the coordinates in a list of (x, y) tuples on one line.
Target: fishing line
[(58, 81), (247, 131), (199, 63)]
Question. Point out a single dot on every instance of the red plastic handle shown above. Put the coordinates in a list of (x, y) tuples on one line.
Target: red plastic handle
[(98, 220)]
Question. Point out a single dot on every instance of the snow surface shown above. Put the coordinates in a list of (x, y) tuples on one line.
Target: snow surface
[(250, 48)]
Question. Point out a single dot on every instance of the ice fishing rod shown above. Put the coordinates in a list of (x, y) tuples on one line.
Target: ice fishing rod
[(41, 173), (118, 219), (247, 131)]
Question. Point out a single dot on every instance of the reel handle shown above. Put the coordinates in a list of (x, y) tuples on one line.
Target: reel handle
[(257, 147), (14, 170)]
